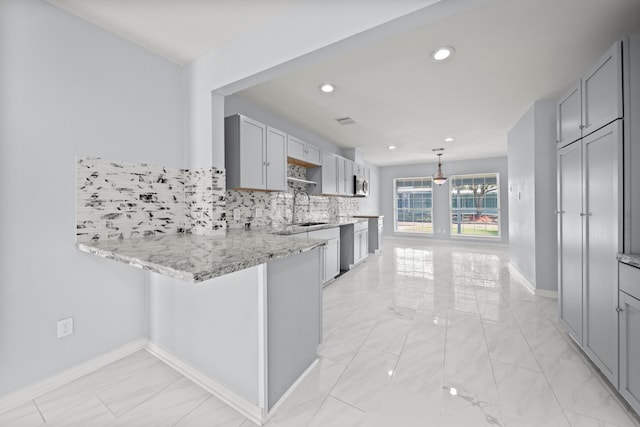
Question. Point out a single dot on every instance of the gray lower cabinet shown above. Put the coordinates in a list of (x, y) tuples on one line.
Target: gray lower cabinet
[(630, 350), (375, 234), (590, 236), (354, 244), (331, 252), (570, 238), (332, 260), (630, 334), (602, 152)]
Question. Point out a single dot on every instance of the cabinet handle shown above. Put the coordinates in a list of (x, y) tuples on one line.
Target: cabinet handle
[(268, 163), (558, 212), (619, 310), (582, 126), (583, 214), (264, 163)]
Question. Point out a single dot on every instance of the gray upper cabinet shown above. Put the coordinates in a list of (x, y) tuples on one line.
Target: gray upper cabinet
[(602, 175), (276, 166), (326, 176), (594, 101), (345, 177), (602, 91), (255, 155), (570, 222), (570, 116), (301, 153)]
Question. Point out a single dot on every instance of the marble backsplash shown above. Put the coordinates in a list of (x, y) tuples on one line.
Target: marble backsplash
[(261, 209), (116, 200)]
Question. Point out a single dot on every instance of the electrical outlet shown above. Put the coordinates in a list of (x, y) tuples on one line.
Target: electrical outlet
[(259, 213), (236, 214), (65, 327)]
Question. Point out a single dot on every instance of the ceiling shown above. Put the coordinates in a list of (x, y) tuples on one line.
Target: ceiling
[(178, 30), (508, 55)]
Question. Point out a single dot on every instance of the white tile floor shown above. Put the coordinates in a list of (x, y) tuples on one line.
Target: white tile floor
[(423, 334)]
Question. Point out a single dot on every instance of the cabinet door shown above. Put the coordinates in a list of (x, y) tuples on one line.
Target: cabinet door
[(570, 232), (313, 155), (602, 91), (295, 148), (348, 182), (341, 170), (332, 259), (357, 246), (602, 152), (276, 159), (570, 116), (630, 350), (379, 236), (252, 154), (329, 173), (364, 250)]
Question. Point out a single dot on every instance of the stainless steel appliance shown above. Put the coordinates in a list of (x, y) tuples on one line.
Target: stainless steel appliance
[(361, 186)]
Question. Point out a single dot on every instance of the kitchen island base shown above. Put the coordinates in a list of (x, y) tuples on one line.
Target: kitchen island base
[(247, 336)]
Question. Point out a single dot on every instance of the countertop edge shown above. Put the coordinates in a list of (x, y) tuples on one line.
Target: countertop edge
[(197, 276), (632, 260)]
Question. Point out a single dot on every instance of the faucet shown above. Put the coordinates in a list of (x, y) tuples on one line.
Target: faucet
[(295, 195)]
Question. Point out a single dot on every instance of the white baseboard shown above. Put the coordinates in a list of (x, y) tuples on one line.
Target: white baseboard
[(247, 408), (529, 286), (231, 398), (547, 294), (51, 383)]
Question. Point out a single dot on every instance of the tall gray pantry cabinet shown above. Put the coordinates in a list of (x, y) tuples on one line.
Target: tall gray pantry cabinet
[(594, 221)]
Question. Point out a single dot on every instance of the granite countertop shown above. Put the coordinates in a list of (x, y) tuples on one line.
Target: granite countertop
[(195, 258), (629, 259), (368, 216), (290, 229)]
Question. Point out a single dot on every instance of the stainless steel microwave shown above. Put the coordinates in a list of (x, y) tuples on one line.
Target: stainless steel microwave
[(361, 186)]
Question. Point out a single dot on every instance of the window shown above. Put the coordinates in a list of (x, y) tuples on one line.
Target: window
[(413, 205), (475, 207)]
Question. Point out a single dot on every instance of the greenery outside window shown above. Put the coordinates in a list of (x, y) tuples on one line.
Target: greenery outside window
[(475, 205), (413, 205)]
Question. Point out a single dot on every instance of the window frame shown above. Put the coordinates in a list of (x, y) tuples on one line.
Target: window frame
[(498, 207), (395, 206)]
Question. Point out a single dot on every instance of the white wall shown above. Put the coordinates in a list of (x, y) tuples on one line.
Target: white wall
[(522, 224), (532, 201), (69, 89), (441, 201)]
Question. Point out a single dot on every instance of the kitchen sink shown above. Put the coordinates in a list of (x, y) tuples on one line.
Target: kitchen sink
[(309, 224)]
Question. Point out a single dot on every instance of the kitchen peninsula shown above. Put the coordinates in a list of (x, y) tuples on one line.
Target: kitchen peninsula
[(248, 320)]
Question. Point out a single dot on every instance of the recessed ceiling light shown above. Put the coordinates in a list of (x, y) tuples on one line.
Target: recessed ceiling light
[(327, 88), (442, 53), (392, 147), (448, 139)]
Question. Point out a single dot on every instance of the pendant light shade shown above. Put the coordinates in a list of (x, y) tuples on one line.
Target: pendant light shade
[(439, 177)]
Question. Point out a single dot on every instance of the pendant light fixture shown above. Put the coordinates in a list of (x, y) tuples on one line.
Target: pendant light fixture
[(438, 177)]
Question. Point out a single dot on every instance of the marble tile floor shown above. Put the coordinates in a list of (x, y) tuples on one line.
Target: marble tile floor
[(422, 334)]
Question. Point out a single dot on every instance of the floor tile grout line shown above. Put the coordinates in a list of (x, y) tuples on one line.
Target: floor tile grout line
[(181, 377), (39, 411), (106, 406), (192, 410)]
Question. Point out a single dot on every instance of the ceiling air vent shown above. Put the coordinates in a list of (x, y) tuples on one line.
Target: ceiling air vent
[(345, 121)]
